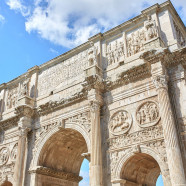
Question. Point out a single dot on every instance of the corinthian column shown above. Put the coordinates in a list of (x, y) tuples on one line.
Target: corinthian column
[(96, 155), (174, 158), (24, 126)]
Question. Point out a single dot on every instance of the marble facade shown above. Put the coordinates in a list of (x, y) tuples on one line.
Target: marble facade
[(118, 100)]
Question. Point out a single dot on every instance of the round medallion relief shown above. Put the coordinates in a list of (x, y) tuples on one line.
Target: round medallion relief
[(147, 114), (4, 155), (120, 122)]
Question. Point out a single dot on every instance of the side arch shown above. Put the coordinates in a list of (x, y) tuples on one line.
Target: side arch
[(56, 129), (149, 152)]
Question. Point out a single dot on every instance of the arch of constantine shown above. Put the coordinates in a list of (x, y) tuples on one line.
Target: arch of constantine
[(118, 100)]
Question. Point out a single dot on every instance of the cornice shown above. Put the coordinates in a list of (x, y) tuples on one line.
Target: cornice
[(165, 56), (128, 76), (64, 102), (9, 123), (57, 174)]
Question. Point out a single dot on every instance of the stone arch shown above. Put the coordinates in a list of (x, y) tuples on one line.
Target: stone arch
[(43, 140), (60, 153), (148, 155)]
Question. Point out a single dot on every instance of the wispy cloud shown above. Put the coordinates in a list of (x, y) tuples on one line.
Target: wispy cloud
[(54, 51), (70, 23), (2, 19), (18, 6)]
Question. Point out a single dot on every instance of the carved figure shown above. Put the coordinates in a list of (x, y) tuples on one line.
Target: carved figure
[(92, 54), (24, 87), (11, 98), (151, 29), (120, 122), (147, 114)]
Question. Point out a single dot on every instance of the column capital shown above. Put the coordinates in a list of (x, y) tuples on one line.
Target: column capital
[(95, 105), (160, 81)]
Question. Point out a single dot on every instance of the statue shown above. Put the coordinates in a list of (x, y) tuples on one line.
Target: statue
[(24, 87), (92, 54), (150, 27)]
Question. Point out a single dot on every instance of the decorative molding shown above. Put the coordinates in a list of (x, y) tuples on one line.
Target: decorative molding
[(4, 155), (120, 122), (57, 174)]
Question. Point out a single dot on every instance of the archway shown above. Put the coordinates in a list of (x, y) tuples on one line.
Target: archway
[(60, 159), (140, 169), (6, 183)]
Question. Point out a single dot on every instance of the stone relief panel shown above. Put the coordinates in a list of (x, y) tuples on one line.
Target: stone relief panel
[(179, 35), (12, 96), (147, 114), (24, 90), (63, 73), (120, 122), (114, 51), (135, 41)]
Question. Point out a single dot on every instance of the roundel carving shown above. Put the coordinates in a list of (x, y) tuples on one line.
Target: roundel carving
[(120, 122), (4, 155), (147, 114)]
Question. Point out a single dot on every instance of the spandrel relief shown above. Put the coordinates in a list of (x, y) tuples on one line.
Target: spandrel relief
[(14, 152), (120, 122), (114, 51), (147, 114), (4, 156)]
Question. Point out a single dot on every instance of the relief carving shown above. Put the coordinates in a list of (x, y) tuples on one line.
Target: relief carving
[(147, 114), (120, 122), (114, 52), (4, 156), (135, 42)]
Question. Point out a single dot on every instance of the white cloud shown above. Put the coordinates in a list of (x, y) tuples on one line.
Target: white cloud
[(54, 51), (70, 23), (2, 19), (18, 6)]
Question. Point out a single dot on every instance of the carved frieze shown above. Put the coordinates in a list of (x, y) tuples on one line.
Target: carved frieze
[(120, 122), (135, 41), (4, 156), (115, 51), (138, 137), (147, 114)]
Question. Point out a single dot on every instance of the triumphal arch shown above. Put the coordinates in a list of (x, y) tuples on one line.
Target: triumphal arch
[(118, 100)]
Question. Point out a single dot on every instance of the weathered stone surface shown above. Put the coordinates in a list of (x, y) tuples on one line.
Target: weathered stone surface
[(117, 100)]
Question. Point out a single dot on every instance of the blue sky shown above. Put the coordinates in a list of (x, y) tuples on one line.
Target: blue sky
[(35, 31)]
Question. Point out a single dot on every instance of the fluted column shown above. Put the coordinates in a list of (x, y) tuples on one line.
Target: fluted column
[(21, 158), (170, 134), (96, 155)]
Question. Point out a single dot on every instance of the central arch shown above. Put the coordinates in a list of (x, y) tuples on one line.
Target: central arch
[(60, 159)]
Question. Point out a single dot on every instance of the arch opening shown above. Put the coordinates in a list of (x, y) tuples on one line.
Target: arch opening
[(6, 183), (61, 158), (141, 169)]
